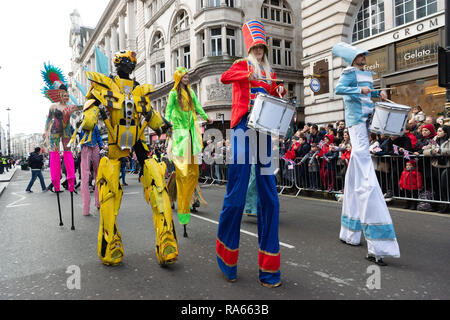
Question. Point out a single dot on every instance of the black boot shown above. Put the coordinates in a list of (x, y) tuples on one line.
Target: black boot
[(185, 233)]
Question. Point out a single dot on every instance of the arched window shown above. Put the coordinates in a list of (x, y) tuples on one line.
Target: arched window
[(181, 21), (158, 41), (369, 20), (410, 10), (277, 11)]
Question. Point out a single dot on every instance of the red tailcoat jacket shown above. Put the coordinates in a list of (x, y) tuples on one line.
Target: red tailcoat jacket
[(245, 91)]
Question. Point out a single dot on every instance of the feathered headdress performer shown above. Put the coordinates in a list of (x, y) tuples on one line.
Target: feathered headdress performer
[(55, 82)]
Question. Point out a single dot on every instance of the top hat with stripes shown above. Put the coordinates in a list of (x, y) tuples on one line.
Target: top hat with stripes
[(254, 34)]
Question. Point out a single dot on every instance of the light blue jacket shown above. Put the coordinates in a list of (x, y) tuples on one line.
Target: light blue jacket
[(358, 106), (95, 139)]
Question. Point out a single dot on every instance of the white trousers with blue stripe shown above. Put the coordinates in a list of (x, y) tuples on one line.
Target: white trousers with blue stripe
[(364, 209)]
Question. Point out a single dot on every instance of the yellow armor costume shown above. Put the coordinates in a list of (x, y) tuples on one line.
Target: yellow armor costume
[(129, 113)]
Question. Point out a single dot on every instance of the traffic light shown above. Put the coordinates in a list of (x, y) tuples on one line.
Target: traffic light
[(444, 67)]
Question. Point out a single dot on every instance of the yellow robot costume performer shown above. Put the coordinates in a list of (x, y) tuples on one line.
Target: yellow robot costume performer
[(124, 106)]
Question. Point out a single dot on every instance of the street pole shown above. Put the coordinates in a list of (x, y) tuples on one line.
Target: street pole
[(9, 133)]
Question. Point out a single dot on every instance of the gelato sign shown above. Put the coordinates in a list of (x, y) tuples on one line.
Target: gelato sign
[(417, 54), (421, 50)]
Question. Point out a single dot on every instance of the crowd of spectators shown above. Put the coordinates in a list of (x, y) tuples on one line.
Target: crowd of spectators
[(320, 156)]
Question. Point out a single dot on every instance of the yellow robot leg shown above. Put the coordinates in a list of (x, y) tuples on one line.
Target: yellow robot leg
[(110, 248), (155, 191)]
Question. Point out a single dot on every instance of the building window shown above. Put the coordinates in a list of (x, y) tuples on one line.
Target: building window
[(229, 3), (203, 44), (158, 41), (288, 53), (276, 51), (409, 10), (369, 20), (187, 57), (162, 72), (213, 3), (276, 10), (176, 55), (216, 42), (181, 22), (231, 42)]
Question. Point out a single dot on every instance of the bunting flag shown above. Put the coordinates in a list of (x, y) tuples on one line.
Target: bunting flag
[(74, 100), (321, 144), (407, 157), (288, 160), (101, 61), (395, 149), (81, 88)]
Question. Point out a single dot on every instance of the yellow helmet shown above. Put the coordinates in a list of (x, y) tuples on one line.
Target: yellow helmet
[(131, 55)]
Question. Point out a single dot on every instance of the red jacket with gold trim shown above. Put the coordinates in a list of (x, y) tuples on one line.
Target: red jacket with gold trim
[(245, 91)]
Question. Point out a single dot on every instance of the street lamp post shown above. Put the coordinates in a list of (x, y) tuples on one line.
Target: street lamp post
[(9, 133)]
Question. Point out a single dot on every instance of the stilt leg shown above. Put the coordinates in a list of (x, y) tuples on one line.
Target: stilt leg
[(71, 202), (59, 209)]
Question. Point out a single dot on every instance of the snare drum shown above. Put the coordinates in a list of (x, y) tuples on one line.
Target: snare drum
[(271, 115), (389, 118)]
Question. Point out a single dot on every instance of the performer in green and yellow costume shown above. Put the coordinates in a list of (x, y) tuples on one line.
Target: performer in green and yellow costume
[(124, 106), (181, 109)]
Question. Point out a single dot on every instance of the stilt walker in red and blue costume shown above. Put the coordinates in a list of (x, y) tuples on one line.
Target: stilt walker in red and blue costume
[(249, 77)]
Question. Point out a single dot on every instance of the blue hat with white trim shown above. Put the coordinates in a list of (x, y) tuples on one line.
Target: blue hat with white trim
[(348, 52)]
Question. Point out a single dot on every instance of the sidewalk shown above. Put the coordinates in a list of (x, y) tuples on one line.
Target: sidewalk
[(6, 177)]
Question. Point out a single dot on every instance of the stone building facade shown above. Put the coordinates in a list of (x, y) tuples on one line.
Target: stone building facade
[(402, 36), (202, 35)]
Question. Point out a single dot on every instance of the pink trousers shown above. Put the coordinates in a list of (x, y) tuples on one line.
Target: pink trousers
[(89, 154)]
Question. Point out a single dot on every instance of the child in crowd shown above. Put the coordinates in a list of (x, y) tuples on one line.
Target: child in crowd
[(411, 183)]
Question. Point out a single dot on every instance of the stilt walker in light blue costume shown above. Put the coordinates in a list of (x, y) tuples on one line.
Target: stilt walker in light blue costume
[(251, 201), (364, 209)]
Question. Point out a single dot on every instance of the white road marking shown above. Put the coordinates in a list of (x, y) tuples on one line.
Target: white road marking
[(243, 231), (13, 204)]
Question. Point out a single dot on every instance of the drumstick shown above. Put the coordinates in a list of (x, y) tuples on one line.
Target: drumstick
[(386, 89), (276, 80)]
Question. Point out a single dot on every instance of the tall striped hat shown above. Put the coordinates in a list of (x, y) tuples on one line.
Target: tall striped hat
[(254, 34)]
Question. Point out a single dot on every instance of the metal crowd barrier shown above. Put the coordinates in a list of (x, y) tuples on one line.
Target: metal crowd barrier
[(329, 176)]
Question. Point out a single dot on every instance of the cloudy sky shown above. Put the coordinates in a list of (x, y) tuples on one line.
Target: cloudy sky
[(31, 33)]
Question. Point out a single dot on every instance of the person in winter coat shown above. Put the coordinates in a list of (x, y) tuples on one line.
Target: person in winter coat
[(417, 114), (325, 165), (441, 161), (346, 155), (426, 141), (36, 162), (409, 131), (411, 183), (311, 162)]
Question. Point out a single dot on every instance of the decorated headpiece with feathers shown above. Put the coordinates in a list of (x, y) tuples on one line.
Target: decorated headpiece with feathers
[(55, 82)]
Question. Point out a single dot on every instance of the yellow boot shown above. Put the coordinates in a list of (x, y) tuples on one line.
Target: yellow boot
[(156, 194), (110, 248)]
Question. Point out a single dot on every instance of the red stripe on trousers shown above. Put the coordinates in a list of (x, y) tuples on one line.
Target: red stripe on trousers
[(269, 262), (228, 256)]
